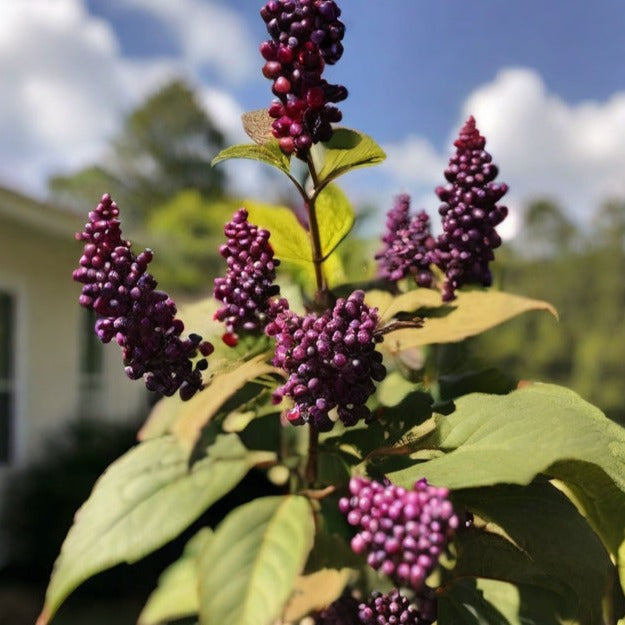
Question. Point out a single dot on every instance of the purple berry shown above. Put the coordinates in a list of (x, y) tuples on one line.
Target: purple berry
[(408, 245), (391, 608), (248, 290), (331, 361), (305, 36), (469, 213), (404, 532), (130, 309)]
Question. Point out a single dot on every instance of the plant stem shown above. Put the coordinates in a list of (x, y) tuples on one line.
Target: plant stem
[(310, 474), (315, 236)]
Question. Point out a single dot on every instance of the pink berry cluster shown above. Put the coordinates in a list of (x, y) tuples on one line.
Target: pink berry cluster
[(247, 291), (391, 608), (469, 213), (142, 319), (402, 531), (305, 36), (331, 361), (408, 245)]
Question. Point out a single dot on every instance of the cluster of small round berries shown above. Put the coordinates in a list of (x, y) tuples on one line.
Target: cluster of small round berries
[(402, 531), (469, 213), (130, 309), (331, 361), (391, 608), (408, 245), (247, 291), (305, 36)]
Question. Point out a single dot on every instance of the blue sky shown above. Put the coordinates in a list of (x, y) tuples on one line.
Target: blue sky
[(545, 81)]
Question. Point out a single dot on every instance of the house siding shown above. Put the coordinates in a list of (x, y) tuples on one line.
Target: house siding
[(36, 267)]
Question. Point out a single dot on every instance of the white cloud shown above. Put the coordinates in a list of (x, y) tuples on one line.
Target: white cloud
[(207, 34), (70, 91), (573, 153)]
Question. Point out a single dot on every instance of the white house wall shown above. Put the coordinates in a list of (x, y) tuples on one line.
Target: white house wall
[(37, 267)]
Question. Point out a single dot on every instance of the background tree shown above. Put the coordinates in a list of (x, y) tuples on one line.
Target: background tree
[(165, 146)]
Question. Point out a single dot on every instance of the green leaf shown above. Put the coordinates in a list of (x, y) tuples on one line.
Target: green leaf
[(289, 240), (541, 428), (464, 604), (335, 217), (248, 571), (472, 313), (194, 414), (535, 537), (142, 501), (176, 595), (316, 591), (269, 153), (346, 150)]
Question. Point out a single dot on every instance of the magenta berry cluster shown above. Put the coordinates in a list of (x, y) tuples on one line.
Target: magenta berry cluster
[(408, 245), (129, 308), (248, 290), (331, 362), (403, 532), (469, 213), (305, 36), (391, 608)]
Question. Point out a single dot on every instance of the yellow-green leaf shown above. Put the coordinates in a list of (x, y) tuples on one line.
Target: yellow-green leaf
[(335, 217), (194, 414), (248, 571), (289, 239), (176, 595), (472, 313), (346, 150), (269, 153), (143, 500), (315, 591)]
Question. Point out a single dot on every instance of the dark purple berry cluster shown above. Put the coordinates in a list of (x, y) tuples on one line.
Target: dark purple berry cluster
[(305, 36), (402, 531), (469, 213), (142, 319), (408, 245), (247, 291), (343, 611), (331, 361), (391, 608)]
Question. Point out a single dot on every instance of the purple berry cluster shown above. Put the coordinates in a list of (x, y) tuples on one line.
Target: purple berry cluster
[(391, 608), (305, 36), (331, 361), (402, 531), (408, 245), (469, 213), (130, 309), (248, 287)]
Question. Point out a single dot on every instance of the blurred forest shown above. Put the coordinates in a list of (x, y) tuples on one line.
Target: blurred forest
[(158, 169)]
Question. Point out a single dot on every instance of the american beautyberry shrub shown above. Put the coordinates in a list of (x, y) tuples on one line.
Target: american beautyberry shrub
[(408, 245), (248, 290), (305, 36), (129, 309), (403, 532), (331, 362), (469, 213), (391, 608)]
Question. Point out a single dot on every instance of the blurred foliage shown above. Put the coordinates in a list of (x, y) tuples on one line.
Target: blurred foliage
[(186, 232), (41, 499), (582, 273), (165, 146)]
